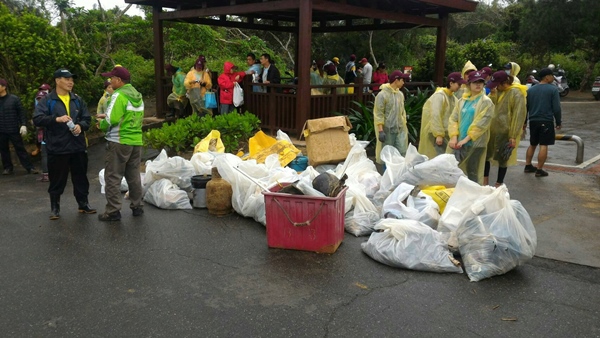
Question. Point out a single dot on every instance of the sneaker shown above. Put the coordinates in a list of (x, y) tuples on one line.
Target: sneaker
[(43, 178), (137, 211), (541, 173), (7, 172), (105, 217), (529, 168), (33, 171)]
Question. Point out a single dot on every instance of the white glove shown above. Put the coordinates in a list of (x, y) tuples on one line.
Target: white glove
[(23, 130)]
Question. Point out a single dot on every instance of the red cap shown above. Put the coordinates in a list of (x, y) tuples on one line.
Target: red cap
[(120, 72), (395, 75), (456, 77), (476, 76), (497, 78), (364, 60)]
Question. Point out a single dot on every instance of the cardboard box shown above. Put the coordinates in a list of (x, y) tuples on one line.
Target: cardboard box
[(327, 140)]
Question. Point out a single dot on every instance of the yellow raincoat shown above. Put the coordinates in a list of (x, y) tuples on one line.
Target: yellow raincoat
[(473, 163), (195, 92), (464, 88), (509, 116), (434, 122), (389, 112), (333, 80), (514, 71)]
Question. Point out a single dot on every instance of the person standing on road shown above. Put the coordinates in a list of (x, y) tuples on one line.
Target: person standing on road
[(469, 128), (197, 82), (390, 115), (122, 125), (65, 117), (510, 111), (436, 113), (543, 109), (12, 128)]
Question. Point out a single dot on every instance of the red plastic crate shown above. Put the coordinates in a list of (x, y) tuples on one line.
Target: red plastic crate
[(306, 223)]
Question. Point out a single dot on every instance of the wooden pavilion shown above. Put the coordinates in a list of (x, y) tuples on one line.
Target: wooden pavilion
[(279, 109)]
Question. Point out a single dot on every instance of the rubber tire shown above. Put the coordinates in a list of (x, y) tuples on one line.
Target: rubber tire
[(564, 93), (597, 97)]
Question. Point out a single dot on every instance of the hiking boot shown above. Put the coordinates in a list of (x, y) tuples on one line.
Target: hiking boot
[(106, 217), (7, 172), (33, 171), (541, 173), (529, 168), (139, 211), (54, 207)]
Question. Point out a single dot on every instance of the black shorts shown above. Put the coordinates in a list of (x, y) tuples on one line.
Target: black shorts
[(542, 133)]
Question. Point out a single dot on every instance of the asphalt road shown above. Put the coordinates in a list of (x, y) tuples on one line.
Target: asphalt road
[(189, 274)]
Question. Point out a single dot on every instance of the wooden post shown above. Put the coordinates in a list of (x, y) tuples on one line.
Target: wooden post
[(159, 61), (440, 50), (303, 62)]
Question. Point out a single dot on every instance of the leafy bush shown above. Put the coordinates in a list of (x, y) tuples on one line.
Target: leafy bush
[(361, 118), (414, 108), (185, 133)]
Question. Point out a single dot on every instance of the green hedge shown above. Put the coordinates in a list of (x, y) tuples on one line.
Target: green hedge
[(185, 133)]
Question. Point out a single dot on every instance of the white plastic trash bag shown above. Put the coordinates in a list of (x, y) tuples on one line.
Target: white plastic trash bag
[(124, 187), (177, 169), (166, 195), (411, 245), (464, 196), (401, 204), (203, 163), (238, 95), (361, 220), (441, 170), (496, 236)]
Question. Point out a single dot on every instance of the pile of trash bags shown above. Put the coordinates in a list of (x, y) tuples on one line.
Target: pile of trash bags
[(421, 214)]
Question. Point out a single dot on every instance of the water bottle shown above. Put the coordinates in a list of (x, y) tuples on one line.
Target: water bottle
[(71, 126)]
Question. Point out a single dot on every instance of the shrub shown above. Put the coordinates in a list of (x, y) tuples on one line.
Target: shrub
[(185, 133), (361, 119)]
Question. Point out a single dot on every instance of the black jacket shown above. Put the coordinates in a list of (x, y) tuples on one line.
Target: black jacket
[(12, 114), (273, 75), (59, 139)]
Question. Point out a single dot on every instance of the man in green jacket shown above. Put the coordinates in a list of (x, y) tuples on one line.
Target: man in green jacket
[(122, 125)]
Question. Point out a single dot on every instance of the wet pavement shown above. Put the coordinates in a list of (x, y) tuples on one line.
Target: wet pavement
[(189, 274)]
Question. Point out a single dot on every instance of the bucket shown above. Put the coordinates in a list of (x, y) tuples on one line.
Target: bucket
[(299, 163), (199, 185)]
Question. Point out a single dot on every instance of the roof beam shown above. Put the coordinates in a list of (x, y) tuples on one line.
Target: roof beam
[(463, 5), (238, 24), (369, 27), (364, 12), (267, 6)]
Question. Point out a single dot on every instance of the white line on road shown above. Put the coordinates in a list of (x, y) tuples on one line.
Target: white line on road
[(580, 166)]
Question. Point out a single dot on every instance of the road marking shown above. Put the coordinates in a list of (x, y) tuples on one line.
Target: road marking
[(580, 166)]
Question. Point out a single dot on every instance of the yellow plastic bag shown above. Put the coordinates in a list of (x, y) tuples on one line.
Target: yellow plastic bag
[(212, 142), (260, 141), (440, 195), (287, 152)]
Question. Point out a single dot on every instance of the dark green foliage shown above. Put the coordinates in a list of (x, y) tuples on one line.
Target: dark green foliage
[(413, 104), (185, 133), (361, 119)]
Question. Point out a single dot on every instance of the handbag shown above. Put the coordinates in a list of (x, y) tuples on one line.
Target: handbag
[(210, 100), (238, 95)]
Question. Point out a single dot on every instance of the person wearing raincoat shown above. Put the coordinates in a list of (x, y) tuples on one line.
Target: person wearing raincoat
[(513, 69), (390, 115), (176, 101), (467, 69), (317, 75), (227, 81), (510, 111), (435, 116), (197, 82), (469, 128), (332, 78)]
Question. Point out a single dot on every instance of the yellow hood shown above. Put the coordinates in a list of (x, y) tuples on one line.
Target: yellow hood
[(468, 66)]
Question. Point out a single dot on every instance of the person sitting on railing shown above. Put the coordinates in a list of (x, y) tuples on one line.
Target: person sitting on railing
[(177, 101), (270, 73)]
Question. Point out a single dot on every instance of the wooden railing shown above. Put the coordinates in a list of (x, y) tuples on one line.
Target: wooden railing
[(277, 108)]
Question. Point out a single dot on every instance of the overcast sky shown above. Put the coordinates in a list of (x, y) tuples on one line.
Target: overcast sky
[(108, 4)]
